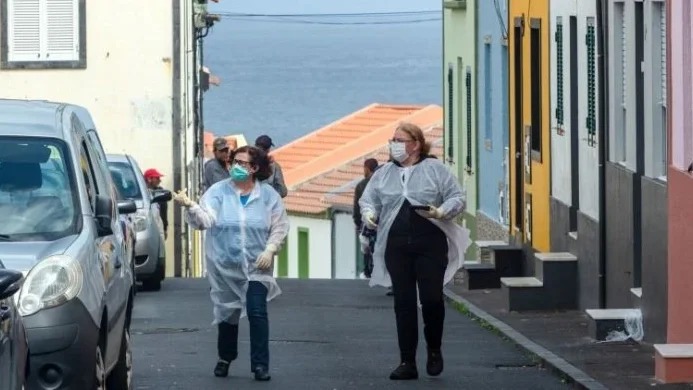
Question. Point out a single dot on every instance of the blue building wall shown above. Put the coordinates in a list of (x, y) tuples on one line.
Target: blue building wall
[(493, 115)]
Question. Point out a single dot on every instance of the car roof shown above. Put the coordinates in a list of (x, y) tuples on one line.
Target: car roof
[(118, 158), (36, 118)]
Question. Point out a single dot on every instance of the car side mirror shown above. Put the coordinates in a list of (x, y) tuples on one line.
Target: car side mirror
[(9, 283), (161, 196), (127, 207), (104, 215)]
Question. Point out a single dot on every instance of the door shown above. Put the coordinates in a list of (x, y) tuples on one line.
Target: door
[(105, 248), (7, 355)]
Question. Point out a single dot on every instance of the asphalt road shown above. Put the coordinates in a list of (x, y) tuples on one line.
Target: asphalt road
[(325, 334)]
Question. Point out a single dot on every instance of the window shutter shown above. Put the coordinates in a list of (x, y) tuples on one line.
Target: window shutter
[(24, 30), (62, 30)]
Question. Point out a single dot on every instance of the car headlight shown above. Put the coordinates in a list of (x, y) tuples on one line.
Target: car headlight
[(141, 221), (50, 283)]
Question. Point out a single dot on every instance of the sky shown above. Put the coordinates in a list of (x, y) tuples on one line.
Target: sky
[(324, 6)]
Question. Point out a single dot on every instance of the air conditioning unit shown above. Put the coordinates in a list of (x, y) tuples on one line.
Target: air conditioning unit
[(455, 4)]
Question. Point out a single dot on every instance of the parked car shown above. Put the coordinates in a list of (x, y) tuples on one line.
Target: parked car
[(128, 226), (14, 347), (150, 249), (60, 225)]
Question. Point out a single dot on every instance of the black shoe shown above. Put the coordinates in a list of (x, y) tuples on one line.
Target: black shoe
[(405, 371), (222, 368), (261, 374), (434, 365)]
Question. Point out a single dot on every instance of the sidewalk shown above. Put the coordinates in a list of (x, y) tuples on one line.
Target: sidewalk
[(561, 340)]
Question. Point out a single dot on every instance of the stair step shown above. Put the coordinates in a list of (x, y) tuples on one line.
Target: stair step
[(636, 291), (555, 256), (674, 363), (486, 250), (508, 260), (481, 276), (604, 321), (558, 271), (524, 281)]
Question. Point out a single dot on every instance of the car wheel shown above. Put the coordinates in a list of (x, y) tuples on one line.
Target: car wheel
[(121, 376), (99, 370), (153, 283)]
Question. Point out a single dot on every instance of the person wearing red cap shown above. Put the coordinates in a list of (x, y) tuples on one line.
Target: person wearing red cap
[(153, 179)]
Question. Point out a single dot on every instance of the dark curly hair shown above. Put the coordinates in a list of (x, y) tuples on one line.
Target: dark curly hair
[(259, 159)]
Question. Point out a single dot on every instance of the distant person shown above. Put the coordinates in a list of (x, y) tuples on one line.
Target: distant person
[(413, 202), (276, 179), (245, 223), (217, 169), (153, 179), (366, 236)]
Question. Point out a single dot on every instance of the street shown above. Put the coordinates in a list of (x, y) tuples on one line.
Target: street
[(325, 334)]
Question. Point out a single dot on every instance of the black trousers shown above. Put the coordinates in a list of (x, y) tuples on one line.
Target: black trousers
[(421, 262)]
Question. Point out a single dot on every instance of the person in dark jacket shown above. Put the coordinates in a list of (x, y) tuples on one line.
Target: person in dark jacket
[(217, 169), (153, 179), (413, 202), (276, 179), (366, 236)]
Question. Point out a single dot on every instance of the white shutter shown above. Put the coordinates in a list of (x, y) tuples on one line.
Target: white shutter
[(61, 36), (23, 30)]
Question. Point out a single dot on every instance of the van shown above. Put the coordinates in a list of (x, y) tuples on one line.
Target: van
[(60, 227)]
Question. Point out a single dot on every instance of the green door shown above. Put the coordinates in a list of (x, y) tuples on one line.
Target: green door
[(283, 263), (303, 253)]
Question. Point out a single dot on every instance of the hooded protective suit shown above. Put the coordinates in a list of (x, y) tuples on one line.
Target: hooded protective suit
[(235, 236), (428, 183)]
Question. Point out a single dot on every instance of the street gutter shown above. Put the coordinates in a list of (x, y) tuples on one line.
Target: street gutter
[(573, 375)]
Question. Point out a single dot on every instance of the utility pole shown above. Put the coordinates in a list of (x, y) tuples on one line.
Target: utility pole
[(202, 22)]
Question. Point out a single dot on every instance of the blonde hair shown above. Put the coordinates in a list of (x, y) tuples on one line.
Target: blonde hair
[(416, 133)]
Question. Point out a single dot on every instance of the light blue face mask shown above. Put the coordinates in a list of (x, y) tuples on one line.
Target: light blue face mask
[(239, 173)]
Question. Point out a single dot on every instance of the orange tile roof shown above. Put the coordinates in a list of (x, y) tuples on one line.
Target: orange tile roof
[(354, 135), (336, 187)]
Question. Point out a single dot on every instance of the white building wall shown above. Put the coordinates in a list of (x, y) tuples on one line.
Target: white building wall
[(561, 133), (588, 154), (320, 246), (345, 246), (127, 84)]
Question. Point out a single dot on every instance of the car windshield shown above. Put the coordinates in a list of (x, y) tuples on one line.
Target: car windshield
[(38, 196), (125, 181)]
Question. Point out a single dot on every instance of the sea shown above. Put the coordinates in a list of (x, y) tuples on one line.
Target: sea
[(287, 79)]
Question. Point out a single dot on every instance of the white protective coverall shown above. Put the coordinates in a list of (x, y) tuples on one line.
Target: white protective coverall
[(428, 183), (235, 236)]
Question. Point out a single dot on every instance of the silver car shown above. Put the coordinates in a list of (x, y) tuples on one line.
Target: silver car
[(150, 250), (60, 227)]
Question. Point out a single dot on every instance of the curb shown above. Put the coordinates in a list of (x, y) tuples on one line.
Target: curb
[(579, 379)]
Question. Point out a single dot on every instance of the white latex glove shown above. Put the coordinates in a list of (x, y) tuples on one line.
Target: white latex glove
[(369, 219), (182, 198), (365, 244), (266, 258), (433, 212)]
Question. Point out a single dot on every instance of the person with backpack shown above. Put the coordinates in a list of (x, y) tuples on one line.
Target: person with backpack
[(276, 179)]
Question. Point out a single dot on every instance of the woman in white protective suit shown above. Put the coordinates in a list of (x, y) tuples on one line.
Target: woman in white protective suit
[(245, 223), (414, 199)]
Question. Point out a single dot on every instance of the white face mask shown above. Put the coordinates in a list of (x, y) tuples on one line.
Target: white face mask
[(398, 151)]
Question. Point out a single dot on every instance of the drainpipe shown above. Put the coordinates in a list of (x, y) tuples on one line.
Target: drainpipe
[(603, 140), (331, 216)]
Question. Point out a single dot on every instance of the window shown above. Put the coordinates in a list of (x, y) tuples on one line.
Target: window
[(125, 180), (488, 97), (537, 85), (43, 34), (656, 95), (590, 42), (37, 199), (303, 253), (682, 86), (88, 174), (559, 112), (618, 74)]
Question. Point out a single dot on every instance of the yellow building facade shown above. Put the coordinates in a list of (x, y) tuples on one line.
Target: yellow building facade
[(530, 143)]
